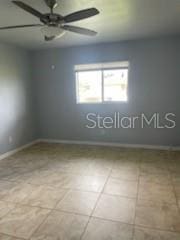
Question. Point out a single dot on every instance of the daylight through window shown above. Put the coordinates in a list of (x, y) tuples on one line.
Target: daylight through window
[(98, 83)]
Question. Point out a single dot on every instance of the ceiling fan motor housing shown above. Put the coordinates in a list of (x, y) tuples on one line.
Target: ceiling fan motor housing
[(52, 19)]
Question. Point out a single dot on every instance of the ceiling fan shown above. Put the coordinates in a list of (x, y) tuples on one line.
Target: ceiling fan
[(54, 25)]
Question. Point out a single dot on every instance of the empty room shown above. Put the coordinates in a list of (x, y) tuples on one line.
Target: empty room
[(89, 120)]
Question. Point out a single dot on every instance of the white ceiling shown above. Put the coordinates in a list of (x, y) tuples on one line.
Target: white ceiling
[(118, 20)]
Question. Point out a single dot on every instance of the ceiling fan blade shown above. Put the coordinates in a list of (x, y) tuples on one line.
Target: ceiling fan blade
[(79, 30), (21, 26), (28, 9), (48, 39), (76, 16)]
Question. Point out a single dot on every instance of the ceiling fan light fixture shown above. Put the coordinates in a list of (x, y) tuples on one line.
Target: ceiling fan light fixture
[(50, 31)]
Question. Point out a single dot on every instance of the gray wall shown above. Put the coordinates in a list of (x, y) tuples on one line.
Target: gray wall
[(154, 83), (39, 102), (16, 106)]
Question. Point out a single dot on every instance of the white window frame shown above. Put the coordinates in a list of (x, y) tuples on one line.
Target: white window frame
[(101, 67)]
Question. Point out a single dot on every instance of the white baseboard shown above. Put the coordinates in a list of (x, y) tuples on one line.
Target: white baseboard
[(93, 143), (12, 152), (111, 144)]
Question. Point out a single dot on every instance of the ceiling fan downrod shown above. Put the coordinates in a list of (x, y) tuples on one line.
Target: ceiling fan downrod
[(52, 4)]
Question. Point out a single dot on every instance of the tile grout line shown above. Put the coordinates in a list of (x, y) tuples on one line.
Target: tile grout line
[(138, 185), (12, 236), (172, 182), (51, 210), (9, 210), (40, 224), (68, 191), (79, 214), (100, 194), (107, 220), (137, 225), (91, 215)]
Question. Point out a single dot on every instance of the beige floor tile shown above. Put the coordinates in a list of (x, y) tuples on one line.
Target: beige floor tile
[(155, 215), (61, 225), (66, 166), (126, 165), (154, 155), (89, 183), (6, 187), (22, 221), (79, 167), (6, 237), (5, 208), (98, 169), (176, 184), (149, 234), (45, 197), (18, 193), (115, 208), (155, 179), (36, 177), (73, 176), (5, 174), (129, 174), (61, 180), (174, 166), (176, 179), (156, 192), (153, 168), (98, 229), (121, 188), (175, 155), (177, 192), (16, 175), (79, 202)]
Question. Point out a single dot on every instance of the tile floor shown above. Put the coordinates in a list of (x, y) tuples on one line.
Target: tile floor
[(68, 192)]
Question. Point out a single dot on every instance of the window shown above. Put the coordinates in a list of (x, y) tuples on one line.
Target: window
[(98, 83)]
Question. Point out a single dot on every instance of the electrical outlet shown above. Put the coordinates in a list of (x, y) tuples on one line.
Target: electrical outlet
[(53, 67)]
